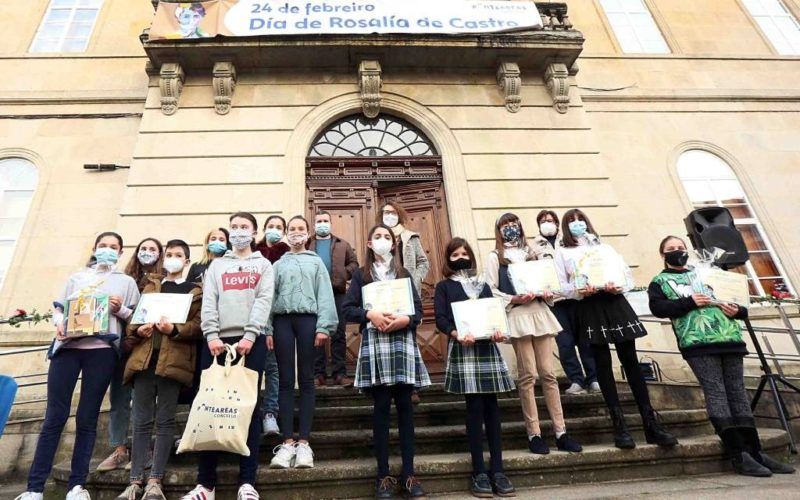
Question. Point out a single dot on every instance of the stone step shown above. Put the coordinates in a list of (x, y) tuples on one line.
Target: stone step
[(442, 473)]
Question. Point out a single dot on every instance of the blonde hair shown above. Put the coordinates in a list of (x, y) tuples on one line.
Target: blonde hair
[(208, 256)]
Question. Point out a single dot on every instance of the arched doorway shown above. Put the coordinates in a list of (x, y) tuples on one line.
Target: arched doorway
[(354, 166)]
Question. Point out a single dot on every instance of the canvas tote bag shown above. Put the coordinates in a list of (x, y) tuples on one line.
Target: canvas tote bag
[(220, 416)]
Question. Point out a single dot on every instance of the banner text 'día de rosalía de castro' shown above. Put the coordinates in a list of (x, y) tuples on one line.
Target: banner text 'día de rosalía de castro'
[(210, 18)]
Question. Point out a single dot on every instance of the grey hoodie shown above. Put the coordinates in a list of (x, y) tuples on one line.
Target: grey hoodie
[(237, 296)]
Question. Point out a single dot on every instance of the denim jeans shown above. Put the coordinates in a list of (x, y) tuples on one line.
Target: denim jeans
[(566, 340), (120, 414), (97, 367), (270, 402), (154, 402)]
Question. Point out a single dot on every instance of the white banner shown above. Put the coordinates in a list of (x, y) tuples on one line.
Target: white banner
[(302, 17)]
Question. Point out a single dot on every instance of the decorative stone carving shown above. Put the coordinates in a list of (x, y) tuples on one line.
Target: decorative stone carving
[(510, 81), (369, 81), (556, 78), (171, 84), (224, 82)]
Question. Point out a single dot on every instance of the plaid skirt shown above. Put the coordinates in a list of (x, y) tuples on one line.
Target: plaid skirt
[(389, 359), (476, 369)]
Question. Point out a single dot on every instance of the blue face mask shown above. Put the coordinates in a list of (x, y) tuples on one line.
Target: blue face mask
[(273, 235), (217, 247), (106, 256), (577, 228)]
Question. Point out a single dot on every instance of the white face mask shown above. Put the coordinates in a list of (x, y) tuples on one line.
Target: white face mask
[(548, 229), (382, 247), (390, 220), (147, 257), (241, 238), (173, 265)]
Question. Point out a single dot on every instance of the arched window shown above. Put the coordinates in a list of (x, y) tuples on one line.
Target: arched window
[(18, 180), (710, 181), (382, 136)]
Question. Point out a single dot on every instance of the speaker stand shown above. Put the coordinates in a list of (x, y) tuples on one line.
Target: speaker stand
[(772, 380)]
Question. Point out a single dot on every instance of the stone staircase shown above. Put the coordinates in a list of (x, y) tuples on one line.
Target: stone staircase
[(345, 467)]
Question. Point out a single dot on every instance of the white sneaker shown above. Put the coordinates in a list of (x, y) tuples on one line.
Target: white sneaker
[(305, 457), (575, 389), (594, 388), (132, 492), (78, 493), (199, 493), (29, 495), (284, 456), (270, 425), (247, 492)]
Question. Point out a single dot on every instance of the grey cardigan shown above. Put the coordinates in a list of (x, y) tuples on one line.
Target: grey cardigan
[(414, 259)]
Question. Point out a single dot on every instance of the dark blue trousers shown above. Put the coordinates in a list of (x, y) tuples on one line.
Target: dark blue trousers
[(567, 341)]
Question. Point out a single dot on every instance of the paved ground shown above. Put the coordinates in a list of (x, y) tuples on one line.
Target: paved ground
[(712, 487)]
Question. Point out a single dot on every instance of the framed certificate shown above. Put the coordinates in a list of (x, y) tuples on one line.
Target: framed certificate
[(724, 286), (598, 266), (87, 315), (389, 296), (534, 276), (481, 318), (153, 306)]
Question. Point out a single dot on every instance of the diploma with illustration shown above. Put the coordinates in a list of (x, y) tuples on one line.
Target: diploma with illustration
[(389, 296), (722, 286), (153, 306), (481, 318), (534, 276)]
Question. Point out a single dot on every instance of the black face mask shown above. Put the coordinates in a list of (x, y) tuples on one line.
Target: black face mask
[(460, 264), (677, 258)]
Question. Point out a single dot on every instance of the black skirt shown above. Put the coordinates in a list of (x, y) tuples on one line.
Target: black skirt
[(607, 318)]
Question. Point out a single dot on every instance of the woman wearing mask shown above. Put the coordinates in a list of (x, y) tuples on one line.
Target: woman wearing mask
[(237, 298), (409, 247), (710, 340), (215, 245), (564, 311), (93, 359), (303, 318), (533, 328), (148, 260), (271, 246), (389, 362), (604, 317)]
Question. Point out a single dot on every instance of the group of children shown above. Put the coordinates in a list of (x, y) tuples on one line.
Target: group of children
[(278, 303)]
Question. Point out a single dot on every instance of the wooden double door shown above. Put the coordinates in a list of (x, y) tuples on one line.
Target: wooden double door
[(353, 190)]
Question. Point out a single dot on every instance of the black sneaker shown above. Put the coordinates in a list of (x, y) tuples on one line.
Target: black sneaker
[(502, 486), (384, 487), (538, 446), (773, 465), (566, 443), (412, 488), (746, 465), (481, 486)]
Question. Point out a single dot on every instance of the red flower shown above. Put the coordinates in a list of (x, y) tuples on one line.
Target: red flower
[(20, 313)]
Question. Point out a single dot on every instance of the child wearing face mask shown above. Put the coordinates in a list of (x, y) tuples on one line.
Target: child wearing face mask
[(162, 360), (148, 260), (303, 317), (710, 340), (603, 317), (476, 369), (93, 359), (215, 244), (533, 329), (389, 362), (271, 245), (237, 298)]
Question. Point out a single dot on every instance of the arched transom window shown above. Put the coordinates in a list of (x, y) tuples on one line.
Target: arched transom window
[(710, 181), (382, 136)]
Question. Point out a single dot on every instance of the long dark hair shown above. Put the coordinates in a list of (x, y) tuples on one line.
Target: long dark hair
[(451, 247), (251, 218), (498, 235), (566, 235), (135, 269), (366, 271), (263, 241), (91, 260)]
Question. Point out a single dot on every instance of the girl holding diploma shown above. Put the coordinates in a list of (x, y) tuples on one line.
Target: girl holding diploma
[(476, 369), (714, 354), (533, 329), (389, 362), (603, 317)]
